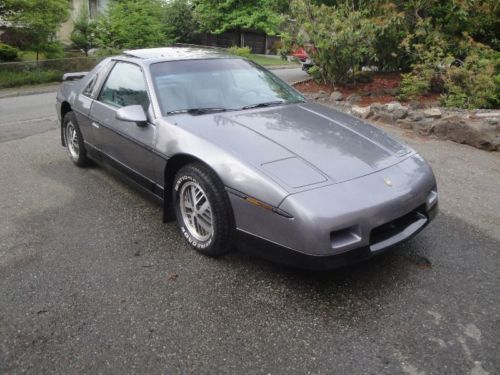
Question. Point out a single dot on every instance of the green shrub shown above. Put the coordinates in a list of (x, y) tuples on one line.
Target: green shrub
[(179, 22), (343, 38), (413, 86), (427, 75), (131, 24), (8, 53), (102, 53), (54, 50), (314, 72), (82, 34), (19, 78), (475, 83), (240, 51)]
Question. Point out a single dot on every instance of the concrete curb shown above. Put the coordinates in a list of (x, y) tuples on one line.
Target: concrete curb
[(28, 90), (277, 67)]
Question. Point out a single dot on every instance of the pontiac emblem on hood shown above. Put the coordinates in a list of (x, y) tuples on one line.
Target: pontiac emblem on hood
[(387, 181)]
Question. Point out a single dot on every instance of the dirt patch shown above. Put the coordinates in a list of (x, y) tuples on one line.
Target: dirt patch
[(382, 89)]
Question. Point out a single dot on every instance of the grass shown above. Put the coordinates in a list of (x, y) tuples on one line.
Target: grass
[(30, 56), (270, 61), (14, 79)]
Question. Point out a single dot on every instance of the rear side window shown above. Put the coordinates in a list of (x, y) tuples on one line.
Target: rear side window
[(90, 87), (125, 86)]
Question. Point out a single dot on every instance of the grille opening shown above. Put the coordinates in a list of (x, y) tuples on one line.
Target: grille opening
[(390, 229)]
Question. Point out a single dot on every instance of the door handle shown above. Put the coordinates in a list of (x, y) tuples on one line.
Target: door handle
[(95, 125)]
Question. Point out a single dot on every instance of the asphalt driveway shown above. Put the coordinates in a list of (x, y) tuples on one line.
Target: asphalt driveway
[(91, 280)]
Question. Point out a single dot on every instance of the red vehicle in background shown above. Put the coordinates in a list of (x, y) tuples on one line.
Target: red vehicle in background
[(301, 54), (304, 58)]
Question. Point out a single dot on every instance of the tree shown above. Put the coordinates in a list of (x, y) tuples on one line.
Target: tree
[(37, 22), (217, 16), (343, 38), (180, 24), (132, 24), (9, 7), (82, 34)]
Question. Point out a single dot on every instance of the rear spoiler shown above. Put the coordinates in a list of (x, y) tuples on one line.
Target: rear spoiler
[(73, 76)]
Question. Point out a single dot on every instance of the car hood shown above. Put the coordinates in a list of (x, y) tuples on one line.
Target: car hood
[(300, 144)]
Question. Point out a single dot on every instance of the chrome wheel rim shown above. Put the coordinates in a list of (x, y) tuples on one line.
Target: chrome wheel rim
[(72, 140), (196, 211)]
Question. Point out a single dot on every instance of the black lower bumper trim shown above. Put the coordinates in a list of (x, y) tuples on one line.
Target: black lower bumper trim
[(286, 256)]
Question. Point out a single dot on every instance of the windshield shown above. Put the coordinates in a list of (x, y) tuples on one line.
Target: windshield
[(215, 85)]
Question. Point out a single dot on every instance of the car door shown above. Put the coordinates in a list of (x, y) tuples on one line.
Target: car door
[(127, 146), (83, 102)]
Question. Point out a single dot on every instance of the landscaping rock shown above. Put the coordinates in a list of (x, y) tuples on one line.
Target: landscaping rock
[(423, 127), (361, 112), (388, 118), (353, 98), (468, 132), (404, 124), (415, 116), (337, 96), (432, 113), (311, 95), (316, 95), (413, 105), (400, 112), (322, 95), (376, 108), (488, 114), (390, 107), (397, 110), (482, 132)]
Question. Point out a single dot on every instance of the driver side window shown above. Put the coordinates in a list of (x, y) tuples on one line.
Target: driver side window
[(125, 86)]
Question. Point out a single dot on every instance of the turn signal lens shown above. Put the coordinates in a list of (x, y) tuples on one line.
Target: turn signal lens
[(256, 202), (268, 207)]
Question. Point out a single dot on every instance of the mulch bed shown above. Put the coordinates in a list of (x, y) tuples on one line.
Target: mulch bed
[(380, 90)]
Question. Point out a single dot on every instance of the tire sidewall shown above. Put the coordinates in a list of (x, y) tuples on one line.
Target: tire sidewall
[(181, 179)]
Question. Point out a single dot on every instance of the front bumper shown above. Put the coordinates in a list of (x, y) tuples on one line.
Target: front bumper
[(364, 216), (286, 256)]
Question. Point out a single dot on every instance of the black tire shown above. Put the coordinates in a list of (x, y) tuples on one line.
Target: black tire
[(221, 238), (78, 155)]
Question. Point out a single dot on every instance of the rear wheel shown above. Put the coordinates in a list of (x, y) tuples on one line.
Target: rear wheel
[(74, 140), (203, 210)]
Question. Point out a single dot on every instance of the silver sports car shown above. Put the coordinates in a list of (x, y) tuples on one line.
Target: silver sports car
[(238, 157)]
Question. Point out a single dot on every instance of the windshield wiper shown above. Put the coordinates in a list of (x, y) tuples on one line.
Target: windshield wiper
[(265, 104), (197, 111)]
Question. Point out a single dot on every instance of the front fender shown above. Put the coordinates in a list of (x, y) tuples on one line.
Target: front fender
[(235, 173)]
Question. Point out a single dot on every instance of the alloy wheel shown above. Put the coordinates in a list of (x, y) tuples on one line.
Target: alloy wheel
[(196, 211)]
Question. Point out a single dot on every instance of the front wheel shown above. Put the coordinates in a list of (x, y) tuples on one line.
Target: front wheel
[(203, 211)]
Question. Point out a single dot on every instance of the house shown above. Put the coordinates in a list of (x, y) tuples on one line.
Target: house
[(94, 7)]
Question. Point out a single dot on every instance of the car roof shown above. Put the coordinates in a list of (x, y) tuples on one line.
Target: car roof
[(176, 53)]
